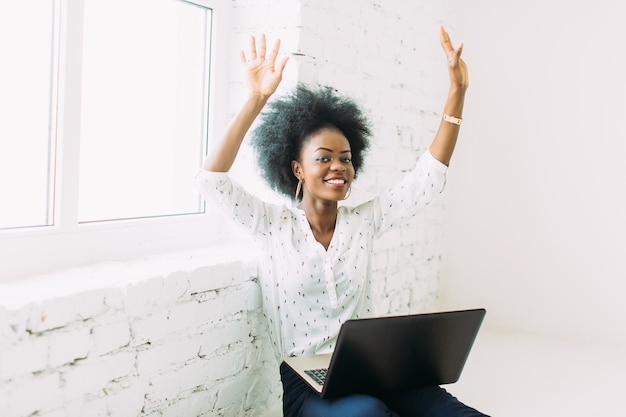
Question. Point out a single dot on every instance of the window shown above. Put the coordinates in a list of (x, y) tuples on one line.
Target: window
[(109, 105), (26, 83), (143, 108)]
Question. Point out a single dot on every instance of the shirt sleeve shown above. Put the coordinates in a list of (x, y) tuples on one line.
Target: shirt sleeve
[(230, 198), (418, 189)]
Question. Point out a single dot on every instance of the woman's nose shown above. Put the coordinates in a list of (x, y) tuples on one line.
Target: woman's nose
[(337, 165)]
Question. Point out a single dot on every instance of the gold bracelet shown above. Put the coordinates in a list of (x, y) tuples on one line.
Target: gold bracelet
[(452, 119)]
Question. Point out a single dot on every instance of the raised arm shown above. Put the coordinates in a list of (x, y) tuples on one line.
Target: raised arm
[(263, 75), (446, 136)]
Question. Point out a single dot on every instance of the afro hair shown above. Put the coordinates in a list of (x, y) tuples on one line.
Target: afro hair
[(290, 121)]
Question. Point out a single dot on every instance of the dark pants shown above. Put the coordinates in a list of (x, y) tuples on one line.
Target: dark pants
[(299, 400)]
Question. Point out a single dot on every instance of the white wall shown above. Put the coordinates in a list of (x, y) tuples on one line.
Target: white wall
[(535, 222)]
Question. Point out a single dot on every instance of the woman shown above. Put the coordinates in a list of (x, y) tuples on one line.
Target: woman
[(314, 272)]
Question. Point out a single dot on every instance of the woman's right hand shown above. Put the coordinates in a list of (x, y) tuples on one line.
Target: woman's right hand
[(263, 74)]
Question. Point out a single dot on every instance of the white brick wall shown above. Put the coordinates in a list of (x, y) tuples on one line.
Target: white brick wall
[(170, 344), (183, 335)]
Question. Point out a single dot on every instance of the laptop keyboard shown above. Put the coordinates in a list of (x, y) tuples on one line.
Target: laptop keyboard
[(318, 375)]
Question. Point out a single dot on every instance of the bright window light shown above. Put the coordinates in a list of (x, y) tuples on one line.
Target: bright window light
[(144, 95), (26, 92)]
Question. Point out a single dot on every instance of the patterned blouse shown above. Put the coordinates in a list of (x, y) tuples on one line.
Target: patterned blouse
[(308, 291)]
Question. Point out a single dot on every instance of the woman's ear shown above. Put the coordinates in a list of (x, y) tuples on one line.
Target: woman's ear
[(297, 169)]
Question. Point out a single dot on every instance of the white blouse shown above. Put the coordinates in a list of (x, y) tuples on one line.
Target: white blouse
[(308, 291)]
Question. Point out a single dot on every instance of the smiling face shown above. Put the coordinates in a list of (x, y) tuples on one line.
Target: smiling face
[(325, 166)]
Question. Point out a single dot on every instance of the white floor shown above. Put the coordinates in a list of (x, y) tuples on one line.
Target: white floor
[(521, 376)]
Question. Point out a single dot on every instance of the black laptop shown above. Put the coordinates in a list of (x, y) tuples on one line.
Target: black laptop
[(380, 355)]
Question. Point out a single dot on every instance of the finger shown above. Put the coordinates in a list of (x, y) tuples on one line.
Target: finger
[(262, 47), (444, 38), (454, 57), (242, 57), (281, 66), (275, 50), (252, 48)]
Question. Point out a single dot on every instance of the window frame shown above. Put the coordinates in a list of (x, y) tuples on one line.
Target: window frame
[(66, 243)]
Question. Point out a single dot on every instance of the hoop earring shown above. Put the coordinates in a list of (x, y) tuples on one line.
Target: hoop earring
[(298, 188), (348, 193)]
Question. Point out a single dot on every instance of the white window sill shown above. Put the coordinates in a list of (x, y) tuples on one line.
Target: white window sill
[(105, 275)]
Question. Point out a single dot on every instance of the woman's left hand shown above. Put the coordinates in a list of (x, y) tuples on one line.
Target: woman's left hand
[(456, 67)]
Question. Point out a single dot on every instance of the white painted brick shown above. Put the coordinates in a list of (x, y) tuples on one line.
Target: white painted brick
[(390, 239), (92, 377), (17, 321), (196, 404), (232, 392), (176, 285), (259, 329), (214, 277), (252, 293), (31, 394), (68, 346), (7, 335), (54, 313), (214, 338), (114, 298), (25, 357), (149, 328), (260, 392), (399, 302), (406, 161), (250, 265), (266, 352), (172, 383), (155, 293), (205, 296), (393, 258), (109, 337), (162, 389), (228, 302), (170, 352), (227, 365), (143, 296), (234, 300), (55, 413), (212, 311), (126, 402), (183, 316), (84, 406), (4, 399)]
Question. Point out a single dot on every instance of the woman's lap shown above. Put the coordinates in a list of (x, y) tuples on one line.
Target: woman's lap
[(301, 401), (350, 406), (429, 402)]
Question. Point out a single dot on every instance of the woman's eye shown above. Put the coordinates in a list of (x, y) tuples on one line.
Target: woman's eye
[(323, 159), (347, 160)]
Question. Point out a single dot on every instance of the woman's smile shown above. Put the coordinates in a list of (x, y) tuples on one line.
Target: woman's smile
[(338, 182)]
